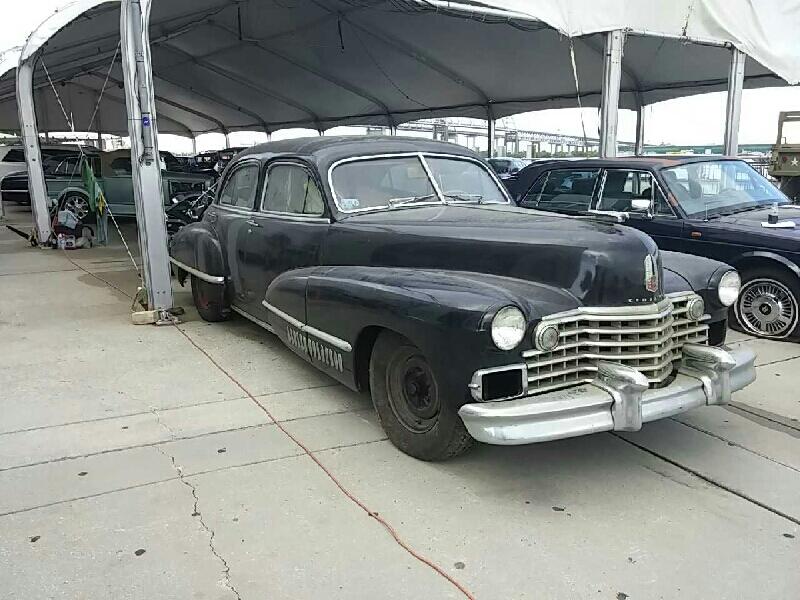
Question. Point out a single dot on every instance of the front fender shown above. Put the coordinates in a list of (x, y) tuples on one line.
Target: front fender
[(196, 249), (767, 255), (689, 273), (446, 314)]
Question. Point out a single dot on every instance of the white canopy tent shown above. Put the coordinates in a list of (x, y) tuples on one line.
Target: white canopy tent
[(227, 65)]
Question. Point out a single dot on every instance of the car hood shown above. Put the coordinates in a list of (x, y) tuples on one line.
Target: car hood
[(751, 221), (600, 264)]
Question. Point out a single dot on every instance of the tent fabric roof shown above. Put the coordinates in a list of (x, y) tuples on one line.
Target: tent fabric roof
[(222, 65)]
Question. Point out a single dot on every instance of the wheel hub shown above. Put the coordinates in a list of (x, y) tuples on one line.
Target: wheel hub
[(413, 393), (768, 308)]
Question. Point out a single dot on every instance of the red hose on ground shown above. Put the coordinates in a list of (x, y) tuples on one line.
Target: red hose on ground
[(392, 531)]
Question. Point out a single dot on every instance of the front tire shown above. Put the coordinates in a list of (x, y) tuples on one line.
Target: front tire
[(406, 396), (210, 300), (768, 305)]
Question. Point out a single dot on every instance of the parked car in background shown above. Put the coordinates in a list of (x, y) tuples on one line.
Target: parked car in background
[(214, 162), (507, 167), (709, 206), (400, 266), (12, 161), (113, 171)]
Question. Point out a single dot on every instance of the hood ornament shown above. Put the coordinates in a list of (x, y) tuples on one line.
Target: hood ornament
[(650, 274)]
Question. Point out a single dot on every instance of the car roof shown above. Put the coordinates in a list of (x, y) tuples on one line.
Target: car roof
[(325, 150), (634, 162)]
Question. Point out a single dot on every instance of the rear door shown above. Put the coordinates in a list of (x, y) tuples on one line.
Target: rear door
[(232, 218)]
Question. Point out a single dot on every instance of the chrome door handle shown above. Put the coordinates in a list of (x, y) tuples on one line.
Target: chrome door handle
[(212, 216), (253, 223)]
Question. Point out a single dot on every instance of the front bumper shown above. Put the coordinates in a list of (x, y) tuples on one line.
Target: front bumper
[(618, 400)]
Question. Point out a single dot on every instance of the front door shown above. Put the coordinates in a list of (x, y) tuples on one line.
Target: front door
[(617, 192), (285, 234)]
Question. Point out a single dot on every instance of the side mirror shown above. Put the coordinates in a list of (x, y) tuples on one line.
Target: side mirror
[(513, 171), (640, 205)]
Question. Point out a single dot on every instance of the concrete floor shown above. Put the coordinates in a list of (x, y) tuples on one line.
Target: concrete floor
[(133, 467)]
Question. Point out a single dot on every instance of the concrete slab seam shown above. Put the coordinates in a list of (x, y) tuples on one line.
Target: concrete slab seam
[(123, 448), (708, 479), (736, 445), (764, 414)]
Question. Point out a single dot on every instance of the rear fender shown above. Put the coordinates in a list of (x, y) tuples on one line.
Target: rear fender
[(196, 250)]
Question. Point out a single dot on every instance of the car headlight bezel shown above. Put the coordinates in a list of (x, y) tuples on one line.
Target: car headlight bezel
[(729, 287), (695, 308), (508, 327), (546, 337)]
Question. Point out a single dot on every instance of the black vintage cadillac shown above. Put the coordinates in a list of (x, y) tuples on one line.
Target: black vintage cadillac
[(400, 267)]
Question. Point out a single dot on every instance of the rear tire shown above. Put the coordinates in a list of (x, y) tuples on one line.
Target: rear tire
[(768, 305), (405, 393), (211, 300)]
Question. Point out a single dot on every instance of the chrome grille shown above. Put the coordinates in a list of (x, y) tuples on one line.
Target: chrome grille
[(647, 340)]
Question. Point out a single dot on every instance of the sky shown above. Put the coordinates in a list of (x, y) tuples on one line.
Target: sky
[(692, 120)]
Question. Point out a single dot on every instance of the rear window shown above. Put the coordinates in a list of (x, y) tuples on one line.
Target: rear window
[(14, 156)]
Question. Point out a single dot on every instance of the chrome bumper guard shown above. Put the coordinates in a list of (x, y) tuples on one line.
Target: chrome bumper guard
[(618, 400)]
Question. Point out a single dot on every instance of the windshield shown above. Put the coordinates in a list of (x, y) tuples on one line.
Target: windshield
[(374, 183), (723, 187)]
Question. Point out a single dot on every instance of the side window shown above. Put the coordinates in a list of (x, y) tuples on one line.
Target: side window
[(531, 198), (621, 186), (121, 167), (660, 205), (240, 189), (292, 189), (565, 189)]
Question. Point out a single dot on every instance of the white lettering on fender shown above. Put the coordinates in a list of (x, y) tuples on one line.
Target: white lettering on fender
[(316, 350)]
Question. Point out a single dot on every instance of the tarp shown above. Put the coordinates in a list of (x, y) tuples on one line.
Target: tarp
[(221, 65)]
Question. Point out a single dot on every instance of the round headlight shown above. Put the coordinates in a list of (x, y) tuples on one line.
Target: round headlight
[(546, 337), (508, 328), (729, 286), (696, 308)]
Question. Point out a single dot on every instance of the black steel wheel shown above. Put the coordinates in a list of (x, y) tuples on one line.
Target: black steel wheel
[(406, 395), (210, 300), (768, 304)]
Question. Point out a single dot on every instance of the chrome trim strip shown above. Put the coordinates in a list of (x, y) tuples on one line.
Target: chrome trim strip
[(204, 276), (286, 317), (250, 317), (317, 333), (419, 156)]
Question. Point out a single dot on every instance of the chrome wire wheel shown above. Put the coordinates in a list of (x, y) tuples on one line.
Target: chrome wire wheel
[(78, 205), (767, 308)]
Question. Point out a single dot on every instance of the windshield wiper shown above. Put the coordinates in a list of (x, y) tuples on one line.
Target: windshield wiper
[(403, 200), (464, 197)]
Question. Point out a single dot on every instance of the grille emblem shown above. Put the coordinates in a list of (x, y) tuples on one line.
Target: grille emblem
[(650, 274)]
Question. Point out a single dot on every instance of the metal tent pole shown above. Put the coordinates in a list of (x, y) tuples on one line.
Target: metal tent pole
[(733, 108), (194, 146), (136, 67), (639, 148), (491, 127), (37, 187), (609, 104)]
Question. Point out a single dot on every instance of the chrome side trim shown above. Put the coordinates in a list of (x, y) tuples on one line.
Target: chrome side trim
[(250, 317), (317, 333), (215, 279)]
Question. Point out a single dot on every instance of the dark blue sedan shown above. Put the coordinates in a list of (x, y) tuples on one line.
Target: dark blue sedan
[(720, 208)]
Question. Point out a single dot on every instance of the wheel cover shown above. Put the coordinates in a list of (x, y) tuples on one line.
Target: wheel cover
[(78, 205), (413, 393), (767, 308)]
